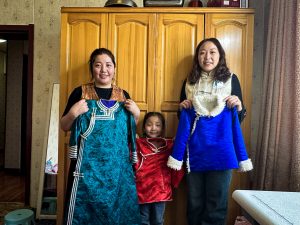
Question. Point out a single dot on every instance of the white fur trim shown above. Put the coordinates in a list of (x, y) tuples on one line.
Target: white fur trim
[(208, 105), (174, 163), (208, 95), (189, 91), (245, 165)]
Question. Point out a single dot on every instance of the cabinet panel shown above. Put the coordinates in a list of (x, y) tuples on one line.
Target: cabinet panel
[(131, 39), (81, 34), (174, 60), (235, 32)]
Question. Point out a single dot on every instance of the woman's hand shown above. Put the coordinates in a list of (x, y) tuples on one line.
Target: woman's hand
[(79, 108), (232, 101), (76, 110), (132, 107), (186, 104)]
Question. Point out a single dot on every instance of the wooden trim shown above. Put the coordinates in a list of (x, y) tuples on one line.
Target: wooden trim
[(181, 10), (29, 112), (14, 28)]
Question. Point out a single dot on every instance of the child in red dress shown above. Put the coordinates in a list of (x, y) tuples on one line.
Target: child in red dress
[(154, 179)]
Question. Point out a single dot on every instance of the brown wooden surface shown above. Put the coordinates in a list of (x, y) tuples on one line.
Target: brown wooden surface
[(186, 10), (235, 32), (12, 187)]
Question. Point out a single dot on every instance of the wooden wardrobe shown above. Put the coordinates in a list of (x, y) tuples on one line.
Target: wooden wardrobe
[(154, 48)]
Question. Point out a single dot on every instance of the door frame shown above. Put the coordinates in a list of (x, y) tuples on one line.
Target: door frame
[(25, 32)]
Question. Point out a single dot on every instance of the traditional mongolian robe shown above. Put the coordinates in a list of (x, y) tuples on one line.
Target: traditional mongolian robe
[(154, 179), (103, 190)]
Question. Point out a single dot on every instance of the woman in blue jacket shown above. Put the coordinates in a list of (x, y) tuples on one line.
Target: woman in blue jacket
[(209, 137)]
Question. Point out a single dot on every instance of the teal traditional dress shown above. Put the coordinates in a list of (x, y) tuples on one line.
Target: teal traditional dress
[(103, 191)]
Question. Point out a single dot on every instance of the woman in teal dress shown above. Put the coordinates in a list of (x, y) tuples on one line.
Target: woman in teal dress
[(102, 118)]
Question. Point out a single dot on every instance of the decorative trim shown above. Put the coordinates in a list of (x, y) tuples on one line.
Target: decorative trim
[(134, 157), (77, 175), (174, 163), (208, 95), (108, 113), (203, 103), (73, 152), (153, 147), (188, 167), (245, 165), (91, 125)]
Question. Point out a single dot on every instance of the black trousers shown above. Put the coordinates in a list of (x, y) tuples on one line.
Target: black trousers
[(208, 197)]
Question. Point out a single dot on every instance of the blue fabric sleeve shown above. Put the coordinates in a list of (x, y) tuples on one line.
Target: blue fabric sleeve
[(238, 139), (186, 119)]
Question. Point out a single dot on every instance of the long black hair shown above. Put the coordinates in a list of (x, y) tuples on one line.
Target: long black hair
[(160, 117), (222, 72), (100, 51)]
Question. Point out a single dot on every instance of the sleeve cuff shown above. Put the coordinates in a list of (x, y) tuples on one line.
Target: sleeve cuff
[(73, 152), (134, 158), (174, 163), (245, 165)]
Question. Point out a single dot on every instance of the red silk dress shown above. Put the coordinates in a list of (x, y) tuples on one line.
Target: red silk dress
[(154, 179)]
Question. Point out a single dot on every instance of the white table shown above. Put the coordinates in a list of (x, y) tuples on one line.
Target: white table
[(270, 207)]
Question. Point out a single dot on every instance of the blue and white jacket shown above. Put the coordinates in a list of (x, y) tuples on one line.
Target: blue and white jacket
[(209, 136), (209, 143)]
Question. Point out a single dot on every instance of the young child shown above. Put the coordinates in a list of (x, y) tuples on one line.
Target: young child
[(154, 180)]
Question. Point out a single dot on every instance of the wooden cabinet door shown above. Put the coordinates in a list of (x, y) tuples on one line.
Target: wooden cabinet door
[(235, 32), (132, 40), (178, 36), (81, 33)]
